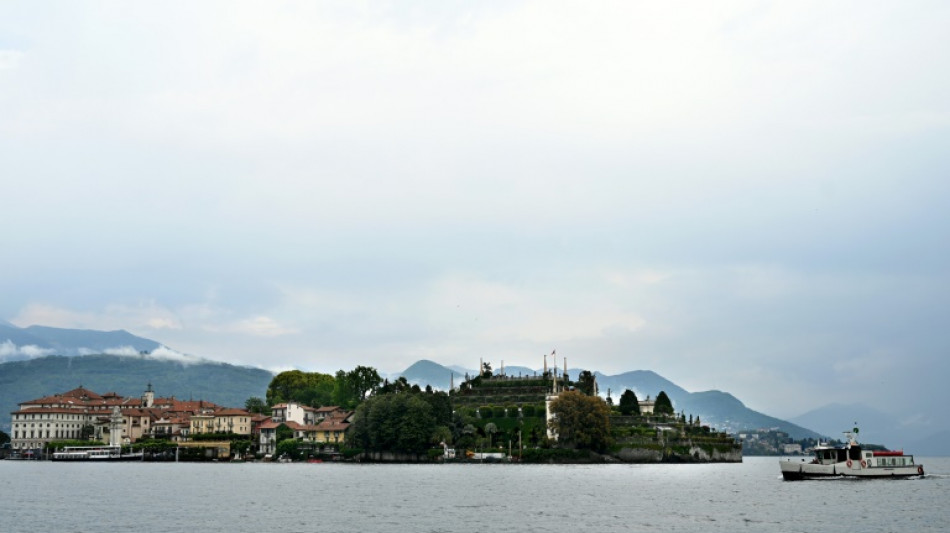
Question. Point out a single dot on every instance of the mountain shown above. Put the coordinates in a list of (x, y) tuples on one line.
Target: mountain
[(716, 408), (877, 427), (221, 383), (425, 372), (719, 409), (23, 343)]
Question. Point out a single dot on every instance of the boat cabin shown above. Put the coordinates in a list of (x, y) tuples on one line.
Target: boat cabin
[(825, 455)]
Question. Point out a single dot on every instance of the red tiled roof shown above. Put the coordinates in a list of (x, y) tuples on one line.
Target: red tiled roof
[(231, 411), (81, 392), (332, 425), (37, 410)]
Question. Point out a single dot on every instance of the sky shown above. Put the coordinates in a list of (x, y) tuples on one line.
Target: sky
[(740, 195)]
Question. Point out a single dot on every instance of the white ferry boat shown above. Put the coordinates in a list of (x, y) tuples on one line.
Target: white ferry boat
[(850, 460), (96, 453)]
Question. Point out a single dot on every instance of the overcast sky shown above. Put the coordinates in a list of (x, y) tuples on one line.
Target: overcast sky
[(744, 196)]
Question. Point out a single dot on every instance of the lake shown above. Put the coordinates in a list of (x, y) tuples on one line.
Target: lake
[(751, 496)]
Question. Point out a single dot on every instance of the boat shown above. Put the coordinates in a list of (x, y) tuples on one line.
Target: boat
[(96, 453), (849, 460)]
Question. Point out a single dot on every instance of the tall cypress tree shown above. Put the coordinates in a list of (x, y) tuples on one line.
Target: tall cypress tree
[(663, 405), (629, 404)]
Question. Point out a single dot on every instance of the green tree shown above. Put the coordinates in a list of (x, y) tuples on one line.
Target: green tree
[(289, 448), (309, 388), (255, 404), (442, 434), (284, 433), (240, 447), (363, 380), (395, 422), (343, 393), (581, 421), (629, 404), (441, 407), (587, 383), (399, 385), (4, 437), (663, 405)]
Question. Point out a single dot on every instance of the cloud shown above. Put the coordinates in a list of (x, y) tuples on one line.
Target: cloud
[(144, 315), (722, 192), (261, 326), (10, 350)]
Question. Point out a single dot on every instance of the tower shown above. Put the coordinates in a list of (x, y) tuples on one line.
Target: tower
[(115, 427), (148, 397)]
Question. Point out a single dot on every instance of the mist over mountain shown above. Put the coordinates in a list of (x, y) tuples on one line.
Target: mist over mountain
[(34, 341)]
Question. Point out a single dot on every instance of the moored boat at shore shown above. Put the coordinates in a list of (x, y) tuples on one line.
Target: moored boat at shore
[(849, 460), (96, 453)]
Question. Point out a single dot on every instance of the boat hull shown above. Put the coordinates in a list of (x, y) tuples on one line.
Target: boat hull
[(800, 470)]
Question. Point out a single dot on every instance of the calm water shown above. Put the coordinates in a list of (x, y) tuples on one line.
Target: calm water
[(84, 497)]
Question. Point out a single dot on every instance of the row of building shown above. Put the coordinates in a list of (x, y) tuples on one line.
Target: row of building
[(81, 414)]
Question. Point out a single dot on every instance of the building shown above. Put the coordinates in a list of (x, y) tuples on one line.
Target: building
[(81, 414), (322, 426)]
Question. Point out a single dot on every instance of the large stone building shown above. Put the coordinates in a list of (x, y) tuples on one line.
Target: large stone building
[(81, 414)]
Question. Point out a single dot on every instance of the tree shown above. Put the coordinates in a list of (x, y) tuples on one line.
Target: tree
[(284, 433), (363, 380), (395, 422), (442, 434), (288, 448), (240, 447), (4, 437), (441, 407), (581, 421), (587, 383), (663, 405), (255, 404), (309, 388), (629, 404), (399, 385)]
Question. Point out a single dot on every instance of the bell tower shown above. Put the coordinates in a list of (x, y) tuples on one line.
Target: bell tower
[(148, 397)]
